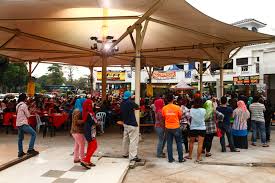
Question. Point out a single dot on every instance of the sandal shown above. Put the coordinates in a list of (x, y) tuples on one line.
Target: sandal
[(208, 154), (187, 157), (86, 165), (198, 161)]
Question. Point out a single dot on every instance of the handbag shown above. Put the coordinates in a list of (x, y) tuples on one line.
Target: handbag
[(218, 126)]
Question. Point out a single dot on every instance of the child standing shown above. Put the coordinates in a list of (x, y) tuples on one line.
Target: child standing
[(89, 132)]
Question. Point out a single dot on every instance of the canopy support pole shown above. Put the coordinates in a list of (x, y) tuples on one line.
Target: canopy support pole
[(35, 67), (30, 71), (201, 72), (144, 17), (138, 70), (40, 38), (221, 74), (8, 41), (92, 79), (104, 77)]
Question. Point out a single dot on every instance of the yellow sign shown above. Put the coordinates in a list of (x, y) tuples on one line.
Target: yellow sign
[(112, 75), (31, 88), (149, 90)]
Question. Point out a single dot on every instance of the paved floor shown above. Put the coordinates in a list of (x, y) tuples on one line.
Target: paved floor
[(55, 165), (159, 170)]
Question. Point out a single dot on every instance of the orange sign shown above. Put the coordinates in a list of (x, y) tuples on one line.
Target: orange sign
[(161, 75)]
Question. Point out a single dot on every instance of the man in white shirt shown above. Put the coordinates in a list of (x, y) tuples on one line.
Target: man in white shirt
[(257, 121), (22, 115)]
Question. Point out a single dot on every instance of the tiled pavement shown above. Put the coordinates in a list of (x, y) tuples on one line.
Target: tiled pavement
[(156, 170), (55, 165)]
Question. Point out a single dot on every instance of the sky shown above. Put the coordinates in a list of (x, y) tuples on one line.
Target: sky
[(228, 11)]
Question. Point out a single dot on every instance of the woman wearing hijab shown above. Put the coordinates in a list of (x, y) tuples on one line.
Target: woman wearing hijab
[(211, 118), (159, 126), (239, 128), (89, 118), (77, 131), (79, 104)]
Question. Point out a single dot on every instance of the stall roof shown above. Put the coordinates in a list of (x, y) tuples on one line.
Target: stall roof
[(59, 31)]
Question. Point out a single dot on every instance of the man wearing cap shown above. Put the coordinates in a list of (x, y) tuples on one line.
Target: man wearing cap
[(131, 131)]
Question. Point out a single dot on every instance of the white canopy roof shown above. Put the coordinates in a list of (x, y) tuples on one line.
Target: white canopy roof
[(60, 31), (182, 86)]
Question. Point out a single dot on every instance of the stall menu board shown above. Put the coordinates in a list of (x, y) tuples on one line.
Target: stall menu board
[(246, 80)]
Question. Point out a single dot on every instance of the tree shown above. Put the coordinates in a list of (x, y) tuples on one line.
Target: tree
[(55, 76), (70, 70), (81, 83), (13, 76)]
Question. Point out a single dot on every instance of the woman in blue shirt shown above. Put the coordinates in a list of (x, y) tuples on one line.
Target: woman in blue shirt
[(197, 128)]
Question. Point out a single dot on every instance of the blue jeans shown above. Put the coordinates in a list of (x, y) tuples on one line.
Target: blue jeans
[(161, 140), (25, 129), (171, 133), (258, 126)]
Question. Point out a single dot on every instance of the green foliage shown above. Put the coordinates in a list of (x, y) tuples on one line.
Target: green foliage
[(55, 76), (13, 77)]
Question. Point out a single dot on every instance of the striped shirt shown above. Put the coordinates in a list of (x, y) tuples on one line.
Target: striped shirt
[(257, 112)]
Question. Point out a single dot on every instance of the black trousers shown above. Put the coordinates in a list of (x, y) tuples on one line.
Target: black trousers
[(267, 129), (185, 140), (207, 144)]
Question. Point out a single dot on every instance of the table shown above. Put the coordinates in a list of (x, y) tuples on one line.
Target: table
[(58, 119), (31, 121)]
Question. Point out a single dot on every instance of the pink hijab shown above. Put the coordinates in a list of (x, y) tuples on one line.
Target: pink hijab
[(242, 106), (159, 104)]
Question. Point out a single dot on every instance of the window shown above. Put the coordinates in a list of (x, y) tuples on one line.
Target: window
[(258, 59), (257, 67), (180, 66), (229, 65), (244, 68), (242, 61), (203, 67), (254, 29)]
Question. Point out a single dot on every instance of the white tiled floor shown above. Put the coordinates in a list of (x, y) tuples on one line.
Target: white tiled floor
[(59, 160)]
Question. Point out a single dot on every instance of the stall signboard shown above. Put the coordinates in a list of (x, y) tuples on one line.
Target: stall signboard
[(246, 80), (163, 75), (112, 75), (31, 89)]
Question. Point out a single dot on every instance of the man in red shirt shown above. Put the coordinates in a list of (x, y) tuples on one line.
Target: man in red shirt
[(172, 115)]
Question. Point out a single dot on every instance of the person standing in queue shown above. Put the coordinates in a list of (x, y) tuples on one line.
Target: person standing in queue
[(22, 115), (172, 115), (225, 126), (131, 130)]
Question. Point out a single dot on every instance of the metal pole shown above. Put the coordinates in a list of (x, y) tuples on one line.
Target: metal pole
[(137, 70), (104, 77), (30, 71), (221, 74), (201, 72), (92, 79), (139, 21)]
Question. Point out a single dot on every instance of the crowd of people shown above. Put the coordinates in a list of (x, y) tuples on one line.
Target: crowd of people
[(186, 119), (201, 118)]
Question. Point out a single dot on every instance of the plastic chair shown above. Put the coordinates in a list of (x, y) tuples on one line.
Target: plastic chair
[(101, 119), (39, 123)]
